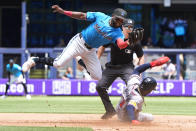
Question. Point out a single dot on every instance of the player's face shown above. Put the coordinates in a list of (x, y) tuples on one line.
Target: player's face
[(127, 30), (11, 64), (117, 21)]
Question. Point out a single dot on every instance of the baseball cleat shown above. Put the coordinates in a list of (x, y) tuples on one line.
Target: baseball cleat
[(108, 115), (28, 97), (160, 61), (3, 96), (28, 64), (135, 122)]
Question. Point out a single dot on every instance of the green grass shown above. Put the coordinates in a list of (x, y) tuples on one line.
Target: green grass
[(171, 105), (93, 105), (19, 128)]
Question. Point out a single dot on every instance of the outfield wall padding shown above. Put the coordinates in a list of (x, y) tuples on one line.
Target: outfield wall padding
[(88, 88)]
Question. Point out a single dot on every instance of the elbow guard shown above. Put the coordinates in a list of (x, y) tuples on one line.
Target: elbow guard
[(122, 44)]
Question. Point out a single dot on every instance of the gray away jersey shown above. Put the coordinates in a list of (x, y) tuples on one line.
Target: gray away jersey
[(131, 97)]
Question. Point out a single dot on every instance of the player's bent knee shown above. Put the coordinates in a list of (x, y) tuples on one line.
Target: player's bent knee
[(98, 88), (96, 77), (57, 65)]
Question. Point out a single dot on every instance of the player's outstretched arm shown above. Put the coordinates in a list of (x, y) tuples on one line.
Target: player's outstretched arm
[(134, 36), (72, 14), (157, 62), (100, 51), (121, 43)]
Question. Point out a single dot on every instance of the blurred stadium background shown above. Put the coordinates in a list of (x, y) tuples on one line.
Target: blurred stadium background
[(30, 28)]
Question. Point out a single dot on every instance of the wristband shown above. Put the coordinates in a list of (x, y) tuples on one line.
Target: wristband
[(68, 13)]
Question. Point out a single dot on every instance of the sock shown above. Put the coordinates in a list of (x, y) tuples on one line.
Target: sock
[(45, 60), (81, 62), (131, 113), (25, 88), (7, 87)]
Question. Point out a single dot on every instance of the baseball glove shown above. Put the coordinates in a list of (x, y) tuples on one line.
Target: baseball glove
[(136, 35)]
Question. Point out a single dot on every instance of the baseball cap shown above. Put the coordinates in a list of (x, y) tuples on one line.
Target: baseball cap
[(11, 61), (120, 13)]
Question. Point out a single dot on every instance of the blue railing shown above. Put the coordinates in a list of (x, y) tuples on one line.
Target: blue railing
[(52, 51)]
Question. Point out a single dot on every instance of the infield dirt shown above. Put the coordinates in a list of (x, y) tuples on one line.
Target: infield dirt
[(160, 123)]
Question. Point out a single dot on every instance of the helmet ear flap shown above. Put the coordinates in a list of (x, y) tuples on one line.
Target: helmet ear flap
[(148, 84)]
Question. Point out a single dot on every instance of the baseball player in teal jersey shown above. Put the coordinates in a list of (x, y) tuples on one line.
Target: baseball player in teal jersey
[(15, 75), (103, 30)]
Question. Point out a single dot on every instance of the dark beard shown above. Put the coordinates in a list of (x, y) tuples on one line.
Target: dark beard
[(112, 23)]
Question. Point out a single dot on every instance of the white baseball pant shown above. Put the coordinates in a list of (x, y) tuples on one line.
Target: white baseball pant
[(76, 48), (145, 117), (17, 80)]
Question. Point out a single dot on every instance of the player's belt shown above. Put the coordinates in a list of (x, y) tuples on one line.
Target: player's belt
[(87, 46)]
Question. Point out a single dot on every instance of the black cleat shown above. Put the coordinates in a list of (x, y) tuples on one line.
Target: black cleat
[(108, 115)]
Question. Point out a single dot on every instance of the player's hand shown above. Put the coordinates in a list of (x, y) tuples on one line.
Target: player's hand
[(56, 8)]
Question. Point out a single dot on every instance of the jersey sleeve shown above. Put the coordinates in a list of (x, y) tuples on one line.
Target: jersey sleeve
[(118, 35), (7, 67), (138, 50), (92, 16), (18, 68)]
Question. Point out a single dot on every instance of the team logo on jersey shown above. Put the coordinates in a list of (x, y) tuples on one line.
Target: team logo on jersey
[(105, 35), (128, 51)]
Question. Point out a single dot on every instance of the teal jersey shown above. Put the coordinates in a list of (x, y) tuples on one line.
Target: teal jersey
[(100, 32), (16, 70)]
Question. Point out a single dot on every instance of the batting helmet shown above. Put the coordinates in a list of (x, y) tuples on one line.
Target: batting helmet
[(148, 84), (120, 13), (129, 23)]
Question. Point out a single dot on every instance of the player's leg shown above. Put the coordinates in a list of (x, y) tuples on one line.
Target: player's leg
[(121, 112), (7, 87), (6, 90), (145, 117), (21, 80), (125, 73), (107, 79), (12, 80), (80, 61), (92, 64), (141, 68), (28, 96), (73, 49), (25, 88), (158, 62)]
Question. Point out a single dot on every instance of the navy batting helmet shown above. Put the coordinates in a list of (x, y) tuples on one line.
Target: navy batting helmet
[(148, 84)]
